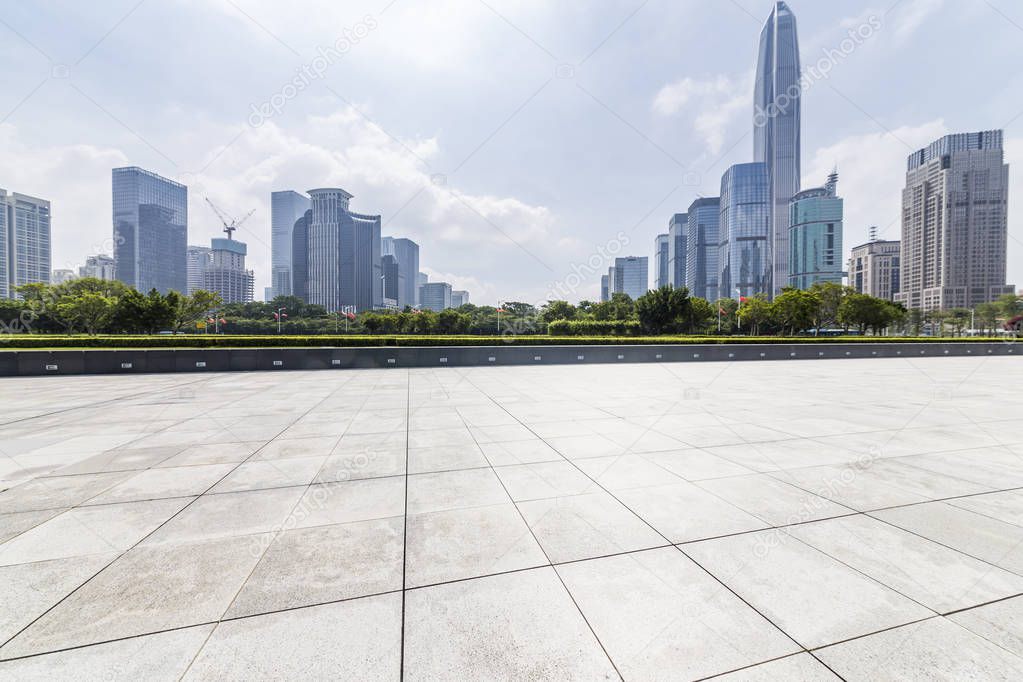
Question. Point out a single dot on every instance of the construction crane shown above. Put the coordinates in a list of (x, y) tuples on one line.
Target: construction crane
[(230, 224)]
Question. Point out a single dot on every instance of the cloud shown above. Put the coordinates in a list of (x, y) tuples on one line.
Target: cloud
[(715, 102), (911, 15)]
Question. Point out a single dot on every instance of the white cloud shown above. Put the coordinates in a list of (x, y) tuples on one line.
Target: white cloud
[(910, 15), (480, 292), (714, 103)]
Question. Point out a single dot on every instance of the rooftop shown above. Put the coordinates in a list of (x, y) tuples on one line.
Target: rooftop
[(802, 519)]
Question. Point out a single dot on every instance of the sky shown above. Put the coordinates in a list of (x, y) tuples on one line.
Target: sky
[(523, 144)]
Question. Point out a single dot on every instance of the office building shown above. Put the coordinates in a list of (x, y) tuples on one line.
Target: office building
[(198, 259), (631, 276), (406, 252), (661, 277), (344, 254), (225, 272), (286, 208), (955, 223), (268, 294), (299, 270), (393, 280), (744, 263), (776, 131), (24, 241), (62, 275), (605, 289), (100, 266), (150, 230), (459, 298), (435, 296), (815, 236), (874, 268), (677, 228), (702, 248), (421, 279)]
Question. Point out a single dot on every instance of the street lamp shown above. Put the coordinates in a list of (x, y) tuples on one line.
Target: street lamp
[(279, 316)]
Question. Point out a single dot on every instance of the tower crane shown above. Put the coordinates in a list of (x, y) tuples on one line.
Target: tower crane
[(230, 224)]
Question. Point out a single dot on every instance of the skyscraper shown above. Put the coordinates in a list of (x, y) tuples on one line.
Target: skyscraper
[(286, 207), (421, 279), (631, 276), (198, 259), (344, 254), (225, 272), (605, 289), (300, 257), (744, 264), (459, 298), (393, 281), (776, 122), (955, 223), (406, 252), (677, 227), (815, 236), (150, 230), (874, 268), (702, 248), (661, 261), (435, 296), (24, 241), (100, 266)]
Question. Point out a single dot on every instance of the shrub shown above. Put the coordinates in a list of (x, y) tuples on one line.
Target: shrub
[(594, 328)]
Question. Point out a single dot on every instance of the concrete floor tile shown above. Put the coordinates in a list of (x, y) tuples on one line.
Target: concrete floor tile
[(278, 473), (544, 480), (802, 667), (1000, 622), (454, 490), (155, 484), (684, 512), (771, 500)]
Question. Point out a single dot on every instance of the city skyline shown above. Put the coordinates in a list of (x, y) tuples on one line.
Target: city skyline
[(693, 106)]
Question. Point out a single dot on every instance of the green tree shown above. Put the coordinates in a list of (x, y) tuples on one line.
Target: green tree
[(701, 314), (795, 310), (663, 311), (754, 312), (191, 308), (451, 321), (987, 316), (88, 310), (830, 295), (620, 307), (557, 310), (726, 308)]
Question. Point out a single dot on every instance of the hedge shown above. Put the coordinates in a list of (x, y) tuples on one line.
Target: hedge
[(594, 328), (48, 341)]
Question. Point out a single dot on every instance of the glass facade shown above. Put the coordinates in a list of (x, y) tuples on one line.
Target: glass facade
[(661, 261), (702, 248), (677, 228), (744, 264), (150, 230), (286, 208), (815, 237), (24, 241), (300, 257), (776, 123), (631, 276), (435, 296), (406, 252), (344, 254)]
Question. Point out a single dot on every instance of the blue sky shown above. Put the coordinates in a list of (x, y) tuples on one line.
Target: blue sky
[(520, 143)]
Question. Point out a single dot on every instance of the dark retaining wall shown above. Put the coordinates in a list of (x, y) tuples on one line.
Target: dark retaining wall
[(38, 362)]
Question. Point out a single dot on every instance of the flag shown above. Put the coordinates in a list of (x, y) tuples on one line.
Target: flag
[(276, 317), (722, 311), (501, 310), (742, 299), (210, 320), (350, 316), (223, 321)]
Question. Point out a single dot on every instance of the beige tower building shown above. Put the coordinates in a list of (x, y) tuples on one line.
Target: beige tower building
[(874, 268), (954, 223)]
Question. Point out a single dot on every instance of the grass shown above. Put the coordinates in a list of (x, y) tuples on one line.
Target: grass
[(125, 342)]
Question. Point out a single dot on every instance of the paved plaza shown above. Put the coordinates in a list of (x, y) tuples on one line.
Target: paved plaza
[(799, 520)]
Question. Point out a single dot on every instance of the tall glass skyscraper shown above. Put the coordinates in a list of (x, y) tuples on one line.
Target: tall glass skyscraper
[(344, 254), (677, 227), (406, 252), (286, 208), (150, 230), (631, 276), (744, 264), (815, 236), (776, 129), (661, 277), (24, 241), (702, 248)]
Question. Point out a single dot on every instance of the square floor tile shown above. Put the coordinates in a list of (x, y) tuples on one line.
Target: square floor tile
[(1000, 623), (154, 484), (520, 625), (544, 480), (684, 512), (774, 502), (454, 490), (277, 473)]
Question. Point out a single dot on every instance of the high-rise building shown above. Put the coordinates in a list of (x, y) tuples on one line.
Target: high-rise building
[(24, 241), (702, 248), (605, 289), (286, 208), (344, 254), (459, 298), (393, 280), (661, 261), (61, 275), (631, 276), (406, 252), (677, 227), (421, 279), (299, 270), (150, 230), (815, 236), (955, 223), (268, 294), (744, 263), (874, 268), (100, 266), (776, 136), (435, 296), (225, 273), (198, 259)]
